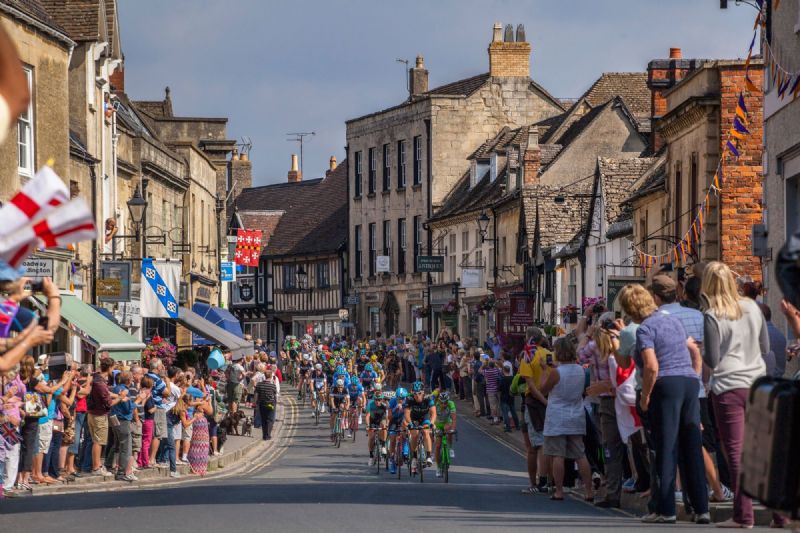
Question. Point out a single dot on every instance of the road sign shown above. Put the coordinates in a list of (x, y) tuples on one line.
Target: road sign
[(38, 269), (352, 299), (471, 278), (227, 271), (430, 263)]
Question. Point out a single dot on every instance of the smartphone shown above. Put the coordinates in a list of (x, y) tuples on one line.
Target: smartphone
[(43, 321), (36, 286), (549, 359)]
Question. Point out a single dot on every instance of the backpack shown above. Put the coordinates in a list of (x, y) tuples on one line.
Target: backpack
[(518, 385)]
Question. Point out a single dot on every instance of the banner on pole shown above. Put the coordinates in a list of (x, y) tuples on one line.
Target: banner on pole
[(160, 284)]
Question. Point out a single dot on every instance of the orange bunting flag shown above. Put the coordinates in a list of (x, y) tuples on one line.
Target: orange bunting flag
[(694, 230), (752, 87), (688, 240), (716, 180)]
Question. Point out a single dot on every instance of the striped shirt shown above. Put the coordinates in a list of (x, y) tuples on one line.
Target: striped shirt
[(492, 376), (266, 393)]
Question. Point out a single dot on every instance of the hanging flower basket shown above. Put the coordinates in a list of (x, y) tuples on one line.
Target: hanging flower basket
[(569, 313), (422, 312), (589, 301), (487, 303), (160, 348), (450, 307)]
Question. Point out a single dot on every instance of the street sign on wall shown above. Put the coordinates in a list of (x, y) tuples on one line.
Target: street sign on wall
[(471, 278), (383, 263), (521, 310), (113, 284), (352, 299), (227, 271), (38, 269), (430, 263)]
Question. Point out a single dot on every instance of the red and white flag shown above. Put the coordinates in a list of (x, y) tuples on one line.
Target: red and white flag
[(70, 223), (39, 197)]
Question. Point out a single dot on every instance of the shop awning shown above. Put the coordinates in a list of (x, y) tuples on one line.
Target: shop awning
[(91, 326), (219, 317), (199, 325)]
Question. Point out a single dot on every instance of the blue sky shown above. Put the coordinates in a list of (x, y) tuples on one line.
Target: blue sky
[(276, 67)]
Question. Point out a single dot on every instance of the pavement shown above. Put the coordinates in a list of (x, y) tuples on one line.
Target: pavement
[(631, 503), (302, 483)]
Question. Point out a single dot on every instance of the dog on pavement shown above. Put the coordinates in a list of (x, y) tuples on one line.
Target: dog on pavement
[(231, 422), (247, 426)]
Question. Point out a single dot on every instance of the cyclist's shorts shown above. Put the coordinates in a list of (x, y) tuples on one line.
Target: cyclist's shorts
[(374, 425), (416, 425), (394, 425)]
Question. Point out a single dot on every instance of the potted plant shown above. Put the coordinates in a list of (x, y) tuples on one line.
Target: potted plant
[(450, 307)]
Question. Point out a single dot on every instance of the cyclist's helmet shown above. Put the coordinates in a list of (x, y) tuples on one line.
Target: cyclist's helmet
[(401, 393), (378, 395), (374, 357), (417, 387), (318, 366), (354, 378), (340, 383), (306, 357), (368, 367), (444, 396), (331, 361), (340, 369), (377, 386)]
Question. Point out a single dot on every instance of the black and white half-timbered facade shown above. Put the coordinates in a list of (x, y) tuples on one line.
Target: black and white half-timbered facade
[(299, 285)]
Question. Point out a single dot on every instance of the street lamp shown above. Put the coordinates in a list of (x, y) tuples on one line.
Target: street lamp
[(483, 226), (302, 276), (136, 205)]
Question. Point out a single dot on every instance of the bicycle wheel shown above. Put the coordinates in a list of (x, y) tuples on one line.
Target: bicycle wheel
[(421, 460), (316, 414), (445, 460), (398, 457), (376, 453)]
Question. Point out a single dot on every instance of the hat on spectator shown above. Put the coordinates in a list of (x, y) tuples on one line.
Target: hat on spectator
[(508, 365), (663, 284), (9, 273)]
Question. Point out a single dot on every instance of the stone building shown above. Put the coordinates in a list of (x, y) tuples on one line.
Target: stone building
[(42, 132), (404, 161), (781, 215), (299, 285), (94, 26)]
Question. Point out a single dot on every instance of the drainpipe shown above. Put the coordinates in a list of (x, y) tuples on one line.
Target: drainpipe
[(429, 186), (93, 179)]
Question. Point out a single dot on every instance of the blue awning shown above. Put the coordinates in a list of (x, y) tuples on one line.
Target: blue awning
[(219, 317)]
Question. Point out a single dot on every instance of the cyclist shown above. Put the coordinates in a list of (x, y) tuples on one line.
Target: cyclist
[(339, 401), (341, 373), (397, 413), (420, 413), (368, 378), (445, 421), (357, 397), (362, 361), (303, 371), (319, 387), (377, 409), (376, 366)]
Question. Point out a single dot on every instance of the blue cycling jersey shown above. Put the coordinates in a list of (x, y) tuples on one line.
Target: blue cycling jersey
[(367, 378), (355, 390), (396, 410)]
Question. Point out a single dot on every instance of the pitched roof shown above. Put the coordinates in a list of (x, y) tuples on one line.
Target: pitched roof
[(557, 223), (464, 87), (38, 10), (653, 180), (617, 177), (462, 199), (83, 20), (630, 86), (315, 219)]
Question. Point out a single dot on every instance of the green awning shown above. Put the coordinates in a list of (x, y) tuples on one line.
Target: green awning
[(82, 320)]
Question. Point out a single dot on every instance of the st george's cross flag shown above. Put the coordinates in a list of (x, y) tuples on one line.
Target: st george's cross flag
[(160, 285), (41, 214)]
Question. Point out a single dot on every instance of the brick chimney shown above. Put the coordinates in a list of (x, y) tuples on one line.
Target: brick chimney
[(241, 174), (509, 58), (418, 78), (117, 79), (531, 159), (331, 166), (294, 174), (662, 75)]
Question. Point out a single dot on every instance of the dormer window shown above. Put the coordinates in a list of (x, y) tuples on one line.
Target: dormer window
[(493, 168)]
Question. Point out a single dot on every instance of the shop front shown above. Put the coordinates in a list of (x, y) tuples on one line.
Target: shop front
[(317, 326), (212, 333), (514, 313), (444, 307), (84, 332)]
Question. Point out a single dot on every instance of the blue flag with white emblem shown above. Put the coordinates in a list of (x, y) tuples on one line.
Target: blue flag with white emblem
[(160, 284)]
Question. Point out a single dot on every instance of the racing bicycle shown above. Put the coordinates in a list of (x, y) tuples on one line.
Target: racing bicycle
[(338, 430), (444, 454)]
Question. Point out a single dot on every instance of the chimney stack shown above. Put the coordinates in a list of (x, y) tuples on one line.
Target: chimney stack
[(662, 75), (332, 163), (418, 78), (532, 158), (294, 175), (509, 57), (117, 79)]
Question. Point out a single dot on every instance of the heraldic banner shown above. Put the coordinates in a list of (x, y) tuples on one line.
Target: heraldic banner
[(160, 285)]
